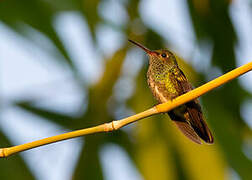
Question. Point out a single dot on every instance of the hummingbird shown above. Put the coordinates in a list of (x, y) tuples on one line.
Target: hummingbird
[(167, 81)]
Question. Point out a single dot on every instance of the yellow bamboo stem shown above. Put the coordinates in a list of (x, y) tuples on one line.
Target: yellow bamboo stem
[(114, 125)]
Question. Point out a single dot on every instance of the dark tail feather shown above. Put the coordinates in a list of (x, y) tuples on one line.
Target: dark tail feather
[(204, 132), (185, 127), (198, 123), (192, 125), (188, 131)]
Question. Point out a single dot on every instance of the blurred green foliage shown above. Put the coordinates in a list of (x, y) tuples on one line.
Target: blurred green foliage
[(155, 147)]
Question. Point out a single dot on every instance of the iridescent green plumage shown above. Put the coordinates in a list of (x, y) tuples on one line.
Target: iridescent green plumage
[(166, 82)]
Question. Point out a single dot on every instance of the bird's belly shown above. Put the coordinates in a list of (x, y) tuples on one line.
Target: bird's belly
[(164, 90)]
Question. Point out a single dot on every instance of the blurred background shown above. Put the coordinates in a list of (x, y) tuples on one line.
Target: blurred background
[(67, 65)]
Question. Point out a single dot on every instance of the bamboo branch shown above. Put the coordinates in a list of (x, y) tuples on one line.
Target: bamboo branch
[(114, 125)]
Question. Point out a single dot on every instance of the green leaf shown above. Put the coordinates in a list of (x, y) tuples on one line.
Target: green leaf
[(89, 165), (228, 134), (89, 9), (56, 117), (36, 14)]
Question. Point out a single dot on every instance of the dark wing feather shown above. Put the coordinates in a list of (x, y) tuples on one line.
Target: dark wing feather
[(193, 114)]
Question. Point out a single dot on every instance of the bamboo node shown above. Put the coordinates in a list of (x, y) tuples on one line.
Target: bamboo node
[(113, 125), (2, 153), (108, 127)]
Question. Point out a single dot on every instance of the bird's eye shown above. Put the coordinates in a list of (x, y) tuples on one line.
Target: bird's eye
[(163, 55)]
